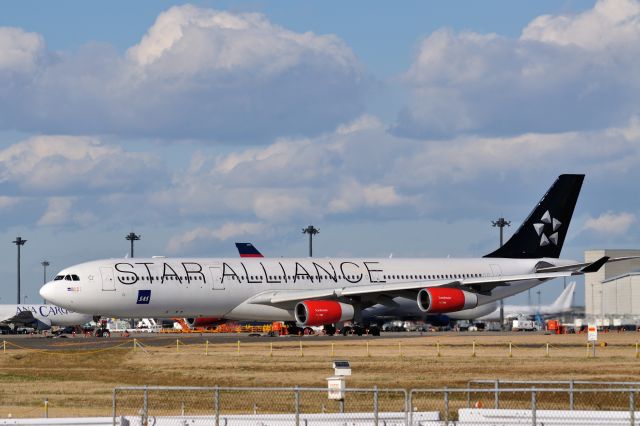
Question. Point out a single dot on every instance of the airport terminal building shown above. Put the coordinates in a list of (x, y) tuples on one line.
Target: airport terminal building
[(612, 295)]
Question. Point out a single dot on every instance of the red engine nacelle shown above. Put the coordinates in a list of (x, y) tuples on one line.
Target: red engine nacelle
[(204, 322), (440, 300), (322, 312)]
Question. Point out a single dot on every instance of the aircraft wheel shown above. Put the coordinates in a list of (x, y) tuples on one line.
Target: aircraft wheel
[(329, 330), (346, 330), (375, 331), (359, 331)]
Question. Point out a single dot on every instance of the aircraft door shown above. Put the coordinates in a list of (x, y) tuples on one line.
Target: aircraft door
[(108, 282), (376, 277), (496, 271), (216, 277)]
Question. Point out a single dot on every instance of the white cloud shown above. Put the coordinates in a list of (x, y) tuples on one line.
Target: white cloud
[(8, 202), (197, 73), (202, 235), (64, 211), (565, 73), (354, 195), (367, 172), (611, 223), (611, 23), (64, 164), (20, 51)]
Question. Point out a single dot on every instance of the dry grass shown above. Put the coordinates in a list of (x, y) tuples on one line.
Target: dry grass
[(81, 383)]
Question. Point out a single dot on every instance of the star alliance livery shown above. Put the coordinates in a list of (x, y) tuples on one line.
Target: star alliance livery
[(316, 292), (40, 317)]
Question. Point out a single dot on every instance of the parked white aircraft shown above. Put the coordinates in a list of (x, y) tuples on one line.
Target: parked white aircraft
[(561, 306), (326, 291), (41, 317)]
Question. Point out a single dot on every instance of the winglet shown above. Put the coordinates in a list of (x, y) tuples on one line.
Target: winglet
[(595, 266)]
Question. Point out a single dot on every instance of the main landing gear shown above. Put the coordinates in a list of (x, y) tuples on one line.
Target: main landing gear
[(329, 329), (359, 330)]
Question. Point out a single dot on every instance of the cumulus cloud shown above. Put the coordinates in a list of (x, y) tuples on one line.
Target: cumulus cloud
[(565, 73), (70, 164), (611, 223), (20, 51), (197, 73), (354, 195), (344, 173), (8, 202), (202, 235), (611, 23), (63, 211)]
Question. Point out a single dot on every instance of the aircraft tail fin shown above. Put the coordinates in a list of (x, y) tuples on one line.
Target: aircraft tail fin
[(543, 232), (248, 250), (563, 302)]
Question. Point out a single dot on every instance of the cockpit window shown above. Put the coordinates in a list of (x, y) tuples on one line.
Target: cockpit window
[(58, 277), (67, 278), (74, 277)]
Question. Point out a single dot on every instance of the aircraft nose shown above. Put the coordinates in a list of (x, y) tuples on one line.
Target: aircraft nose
[(47, 292)]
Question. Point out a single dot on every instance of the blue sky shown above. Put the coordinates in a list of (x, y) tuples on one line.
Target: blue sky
[(401, 130)]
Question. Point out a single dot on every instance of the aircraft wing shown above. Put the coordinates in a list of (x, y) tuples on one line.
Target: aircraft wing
[(410, 288), (26, 318), (581, 268), (23, 317)]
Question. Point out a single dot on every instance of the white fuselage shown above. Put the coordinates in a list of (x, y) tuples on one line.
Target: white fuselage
[(191, 287), (46, 315)]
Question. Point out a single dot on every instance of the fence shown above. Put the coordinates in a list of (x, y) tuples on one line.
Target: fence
[(300, 348), (428, 407), (266, 406), (569, 386)]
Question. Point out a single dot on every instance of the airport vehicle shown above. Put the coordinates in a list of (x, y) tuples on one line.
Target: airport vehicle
[(524, 324), (39, 317), (331, 290)]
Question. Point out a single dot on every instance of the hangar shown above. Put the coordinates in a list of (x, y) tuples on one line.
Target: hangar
[(612, 295)]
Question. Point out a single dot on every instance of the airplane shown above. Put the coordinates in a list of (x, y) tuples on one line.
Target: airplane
[(40, 317), (323, 292), (561, 306)]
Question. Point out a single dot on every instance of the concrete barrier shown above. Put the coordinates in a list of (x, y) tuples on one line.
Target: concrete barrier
[(483, 416)]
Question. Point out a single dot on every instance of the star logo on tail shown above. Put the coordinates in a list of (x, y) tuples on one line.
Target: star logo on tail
[(547, 221)]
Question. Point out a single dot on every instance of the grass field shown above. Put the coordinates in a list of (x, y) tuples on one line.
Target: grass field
[(81, 382)]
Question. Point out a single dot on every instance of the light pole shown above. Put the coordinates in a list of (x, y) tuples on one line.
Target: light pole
[(501, 223), (44, 264), (132, 237), (24, 299), (311, 231), (19, 242)]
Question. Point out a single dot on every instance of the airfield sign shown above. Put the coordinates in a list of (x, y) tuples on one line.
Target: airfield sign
[(592, 336), (592, 333)]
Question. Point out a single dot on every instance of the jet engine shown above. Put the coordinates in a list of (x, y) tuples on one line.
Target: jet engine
[(203, 322), (321, 312), (440, 300)]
